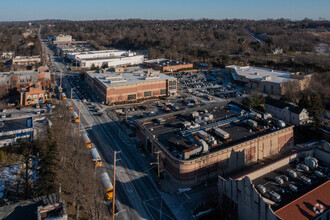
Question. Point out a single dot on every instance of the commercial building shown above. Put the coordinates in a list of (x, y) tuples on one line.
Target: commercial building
[(62, 40), (293, 186), (195, 145), (287, 112), (62, 50), (33, 94), (46, 207), (266, 80), (110, 58), (12, 130), (166, 65), (12, 81), (134, 85), (26, 60)]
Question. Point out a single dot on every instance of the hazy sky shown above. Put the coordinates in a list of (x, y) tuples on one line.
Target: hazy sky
[(18, 10)]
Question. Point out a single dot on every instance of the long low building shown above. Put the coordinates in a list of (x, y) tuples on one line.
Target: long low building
[(167, 65), (15, 129), (26, 60), (110, 58), (114, 88), (266, 80), (195, 145)]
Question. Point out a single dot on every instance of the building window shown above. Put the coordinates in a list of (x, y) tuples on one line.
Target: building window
[(147, 94), (163, 91), (29, 96), (172, 85), (41, 95), (35, 96), (131, 97)]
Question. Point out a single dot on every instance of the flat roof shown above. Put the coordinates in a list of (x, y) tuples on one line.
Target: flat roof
[(134, 76), (306, 206), (261, 74), (25, 72), (98, 52), (175, 138), (165, 62), (14, 124), (107, 58), (287, 196)]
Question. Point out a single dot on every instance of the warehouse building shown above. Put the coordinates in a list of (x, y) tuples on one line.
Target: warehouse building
[(110, 58), (197, 144), (266, 80), (131, 86), (166, 65), (293, 186)]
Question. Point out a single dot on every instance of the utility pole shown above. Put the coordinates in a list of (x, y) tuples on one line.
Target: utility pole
[(61, 81), (114, 186), (79, 118), (71, 99)]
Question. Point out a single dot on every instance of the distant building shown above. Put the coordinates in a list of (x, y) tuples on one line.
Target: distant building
[(277, 50), (73, 48), (266, 80), (62, 40), (282, 188), (33, 94), (287, 112), (131, 86), (110, 58), (26, 60), (12, 130), (166, 65), (41, 208), (12, 81), (7, 55)]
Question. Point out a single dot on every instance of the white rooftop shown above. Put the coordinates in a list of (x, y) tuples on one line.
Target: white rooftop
[(132, 76), (262, 74)]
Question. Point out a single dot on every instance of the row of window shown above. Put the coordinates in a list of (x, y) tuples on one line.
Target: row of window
[(35, 96), (146, 94)]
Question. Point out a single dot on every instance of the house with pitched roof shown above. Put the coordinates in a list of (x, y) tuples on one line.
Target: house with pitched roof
[(287, 112)]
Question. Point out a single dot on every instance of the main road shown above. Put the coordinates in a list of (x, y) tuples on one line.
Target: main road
[(137, 196)]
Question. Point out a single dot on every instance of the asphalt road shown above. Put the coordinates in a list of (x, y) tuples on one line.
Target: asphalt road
[(137, 196)]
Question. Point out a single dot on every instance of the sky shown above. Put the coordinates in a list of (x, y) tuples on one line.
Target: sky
[(23, 10)]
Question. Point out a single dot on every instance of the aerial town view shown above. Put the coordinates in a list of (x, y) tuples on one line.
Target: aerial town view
[(174, 110)]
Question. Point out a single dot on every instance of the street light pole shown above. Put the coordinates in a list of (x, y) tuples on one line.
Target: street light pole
[(114, 186)]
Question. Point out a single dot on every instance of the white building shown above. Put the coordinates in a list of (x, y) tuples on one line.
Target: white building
[(7, 55), (62, 39), (267, 80), (287, 112), (100, 58)]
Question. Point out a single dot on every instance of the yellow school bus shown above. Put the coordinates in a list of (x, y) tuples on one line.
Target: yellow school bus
[(107, 185)]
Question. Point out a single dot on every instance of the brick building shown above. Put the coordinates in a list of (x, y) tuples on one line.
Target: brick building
[(13, 81), (33, 94), (112, 88), (166, 65)]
